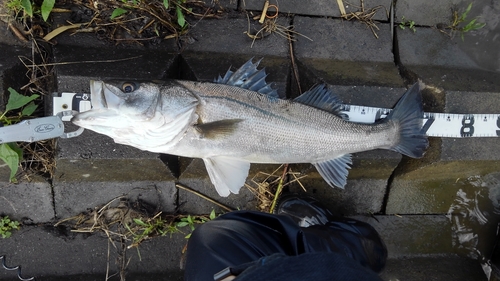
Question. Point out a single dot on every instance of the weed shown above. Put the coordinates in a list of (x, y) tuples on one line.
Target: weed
[(29, 8), (458, 19), (407, 23), (192, 220), (10, 153), (137, 5), (6, 226)]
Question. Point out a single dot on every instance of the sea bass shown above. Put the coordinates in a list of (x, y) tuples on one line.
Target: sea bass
[(239, 119)]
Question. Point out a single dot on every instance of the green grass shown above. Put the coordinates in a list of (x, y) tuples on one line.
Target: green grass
[(7, 226), (407, 23)]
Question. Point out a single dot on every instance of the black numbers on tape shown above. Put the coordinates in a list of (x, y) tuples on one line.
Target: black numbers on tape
[(467, 129), (498, 126), (427, 124)]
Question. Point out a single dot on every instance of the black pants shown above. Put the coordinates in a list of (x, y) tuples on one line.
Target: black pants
[(244, 239)]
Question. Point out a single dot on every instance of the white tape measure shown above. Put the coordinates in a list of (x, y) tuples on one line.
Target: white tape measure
[(444, 125)]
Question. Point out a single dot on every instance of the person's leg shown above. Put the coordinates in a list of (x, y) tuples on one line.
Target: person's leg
[(244, 236), (237, 238), (349, 237)]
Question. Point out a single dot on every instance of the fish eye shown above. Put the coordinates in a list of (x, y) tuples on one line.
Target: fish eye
[(128, 87)]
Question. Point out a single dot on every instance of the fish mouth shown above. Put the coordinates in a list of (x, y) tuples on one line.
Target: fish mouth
[(104, 95), (105, 103)]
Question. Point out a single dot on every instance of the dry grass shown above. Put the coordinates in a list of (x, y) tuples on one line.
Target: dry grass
[(365, 16), (268, 187)]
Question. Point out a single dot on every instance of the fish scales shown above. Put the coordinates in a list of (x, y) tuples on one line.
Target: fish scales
[(281, 131)]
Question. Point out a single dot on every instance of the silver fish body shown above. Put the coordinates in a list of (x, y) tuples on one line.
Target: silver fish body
[(231, 126)]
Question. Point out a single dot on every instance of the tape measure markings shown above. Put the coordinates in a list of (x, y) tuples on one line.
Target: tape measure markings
[(448, 125)]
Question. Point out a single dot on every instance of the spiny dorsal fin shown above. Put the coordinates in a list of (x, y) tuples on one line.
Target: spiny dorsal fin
[(219, 128), (322, 98), (248, 77)]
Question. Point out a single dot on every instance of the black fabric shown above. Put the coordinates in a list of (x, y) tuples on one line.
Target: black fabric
[(245, 237), (317, 266)]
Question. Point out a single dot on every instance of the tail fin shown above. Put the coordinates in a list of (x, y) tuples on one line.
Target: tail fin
[(408, 113)]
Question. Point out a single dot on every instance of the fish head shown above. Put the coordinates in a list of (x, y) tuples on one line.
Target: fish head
[(137, 113), (117, 104)]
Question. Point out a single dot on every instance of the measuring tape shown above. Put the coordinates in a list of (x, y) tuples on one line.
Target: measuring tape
[(445, 125)]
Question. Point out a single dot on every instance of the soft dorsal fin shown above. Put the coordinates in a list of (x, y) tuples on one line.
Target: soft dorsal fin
[(322, 98), (248, 77)]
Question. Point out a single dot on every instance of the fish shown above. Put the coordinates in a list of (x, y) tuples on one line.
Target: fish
[(239, 119)]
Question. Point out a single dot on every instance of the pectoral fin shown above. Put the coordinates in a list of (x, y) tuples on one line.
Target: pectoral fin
[(218, 128), (335, 171), (227, 174)]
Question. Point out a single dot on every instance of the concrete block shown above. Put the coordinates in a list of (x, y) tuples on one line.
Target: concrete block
[(424, 13), (346, 53), (92, 63), (417, 235), (29, 200), (436, 268), (48, 253), (360, 196), (321, 7), (442, 62), (61, 255), (411, 193), (83, 184), (227, 37), (85, 56)]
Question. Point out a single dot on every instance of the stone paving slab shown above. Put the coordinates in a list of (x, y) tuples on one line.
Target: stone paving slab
[(414, 235), (346, 52), (410, 194), (135, 64), (446, 267), (28, 201), (440, 62), (440, 12), (85, 184), (46, 251), (228, 37), (321, 8)]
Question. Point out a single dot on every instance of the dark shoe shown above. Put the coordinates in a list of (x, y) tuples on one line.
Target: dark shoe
[(304, 210)]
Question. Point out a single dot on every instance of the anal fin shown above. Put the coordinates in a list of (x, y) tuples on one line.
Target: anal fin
[(228, 175), (335, 171)]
